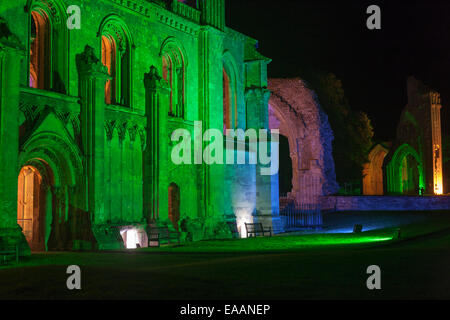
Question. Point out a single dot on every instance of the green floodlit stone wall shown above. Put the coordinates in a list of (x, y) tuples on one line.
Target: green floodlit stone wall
[(108, 166)]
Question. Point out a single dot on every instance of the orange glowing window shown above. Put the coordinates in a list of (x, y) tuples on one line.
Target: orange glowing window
[(109, 60), (39, 51)]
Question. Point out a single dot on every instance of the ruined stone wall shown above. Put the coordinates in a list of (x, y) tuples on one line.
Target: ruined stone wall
[(419, 137), (295, 110), (384, 203)]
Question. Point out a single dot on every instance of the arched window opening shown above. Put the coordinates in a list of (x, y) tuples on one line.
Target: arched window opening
[(109, 60), (47, 46), (116, 56), (174, 75), (40, 68), (229, 101), (230, 84)]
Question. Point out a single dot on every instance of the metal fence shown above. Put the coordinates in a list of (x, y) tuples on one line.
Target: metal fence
[(305, 215)]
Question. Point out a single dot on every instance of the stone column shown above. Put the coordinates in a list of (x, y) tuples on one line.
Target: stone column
[(11, 55), (156, 199), (93, 77), (436, 137), (211, 114), (257, 100)]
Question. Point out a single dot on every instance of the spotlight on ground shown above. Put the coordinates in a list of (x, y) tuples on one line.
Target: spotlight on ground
[(357, 228)]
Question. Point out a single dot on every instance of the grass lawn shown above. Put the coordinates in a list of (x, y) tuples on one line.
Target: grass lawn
[(311, 266)]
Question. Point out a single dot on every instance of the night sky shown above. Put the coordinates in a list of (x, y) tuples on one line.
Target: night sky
[(373, 64)]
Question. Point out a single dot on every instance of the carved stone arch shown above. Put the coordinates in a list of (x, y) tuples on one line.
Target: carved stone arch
[(60, 162), (289, 129), (116, 26), (230, 65), (110, 126), (132, 131), (295, 110), (173, 45), (116, 49), (174, 65), (64, 157), (55, 9), (56, 12), (122, 130), (373, 171), (395, 165)]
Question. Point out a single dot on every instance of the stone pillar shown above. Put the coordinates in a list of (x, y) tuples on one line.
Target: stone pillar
[(436, 106), (93, 77), (211, 111), (156, 199), (11, 55), (257, 100)]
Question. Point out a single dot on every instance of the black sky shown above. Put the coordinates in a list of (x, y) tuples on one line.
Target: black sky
[(373, 65)]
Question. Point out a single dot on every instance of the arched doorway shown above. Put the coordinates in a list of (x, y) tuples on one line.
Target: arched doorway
[(405, 174), (373, 172), (174, 204), (285, 171), (31, 206), (61, 223), (410, 176)]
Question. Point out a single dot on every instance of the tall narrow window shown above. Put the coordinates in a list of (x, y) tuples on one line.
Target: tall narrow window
[(116, 56), (47, 46), (109, 60), (174, 74), (226, 102), (230, 107), (40, 69)]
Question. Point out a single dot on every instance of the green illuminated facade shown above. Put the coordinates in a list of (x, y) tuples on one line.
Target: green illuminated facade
[(86, 117)]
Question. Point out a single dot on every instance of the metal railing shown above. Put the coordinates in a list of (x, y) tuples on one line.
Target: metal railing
[(305, 215)]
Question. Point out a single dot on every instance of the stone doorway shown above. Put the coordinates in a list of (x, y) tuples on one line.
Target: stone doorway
[(285, 171), (410, 176), (31, 207), (174, 204)]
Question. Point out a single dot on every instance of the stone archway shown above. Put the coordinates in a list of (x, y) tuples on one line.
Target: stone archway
[(294, 110), (60, 215), (285, 167), (31, 206), (405, 172), (373, 171), (278, 120)]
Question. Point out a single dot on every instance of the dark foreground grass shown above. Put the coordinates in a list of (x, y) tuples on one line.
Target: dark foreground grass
[(324, 266)]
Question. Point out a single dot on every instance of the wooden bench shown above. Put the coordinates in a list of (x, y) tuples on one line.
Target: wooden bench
[(9, 252), (233, 228), (253, 229), (156, 234)]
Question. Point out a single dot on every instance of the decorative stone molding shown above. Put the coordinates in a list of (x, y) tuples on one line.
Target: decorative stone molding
[(152, 10)]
